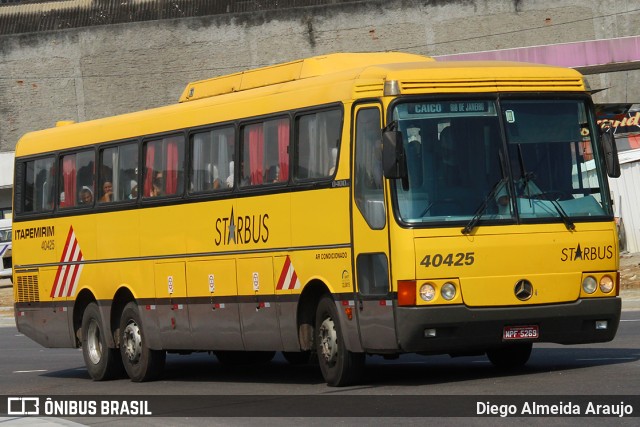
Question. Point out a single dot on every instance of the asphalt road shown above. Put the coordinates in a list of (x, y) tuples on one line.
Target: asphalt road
[(270, 392), (596, 370)]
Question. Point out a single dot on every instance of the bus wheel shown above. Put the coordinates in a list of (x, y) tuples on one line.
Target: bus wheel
[(140, 362), (339, 366), (102, 362), (511, 357)]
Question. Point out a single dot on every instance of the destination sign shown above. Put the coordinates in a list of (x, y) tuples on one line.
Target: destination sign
[(448, 107)]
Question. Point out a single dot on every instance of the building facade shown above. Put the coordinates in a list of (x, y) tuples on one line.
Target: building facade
[(85, 59)]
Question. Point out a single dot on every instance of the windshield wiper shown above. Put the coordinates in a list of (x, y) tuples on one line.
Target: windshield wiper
[(483, 207), (563, 215), (526, 178)]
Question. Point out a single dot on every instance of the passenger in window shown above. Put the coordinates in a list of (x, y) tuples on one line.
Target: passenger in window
[(86, 196), (215, 185), (156, 190), (230, 177), (107, 192), (273, 174), (503, 200), (246, 177), (134, 190), (157, 185), (159, 177)]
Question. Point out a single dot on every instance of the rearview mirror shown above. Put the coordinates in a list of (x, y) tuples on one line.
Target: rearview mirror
[(610, 150), (393, 163)]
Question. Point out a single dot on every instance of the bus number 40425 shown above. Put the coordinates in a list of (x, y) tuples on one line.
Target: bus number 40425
[(456, 260)]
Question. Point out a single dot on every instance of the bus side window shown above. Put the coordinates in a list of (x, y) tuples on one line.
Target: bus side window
[(368, 168), (38, 185), (317, 144), (163, 168), (77, 180), (118, 173), (212, 164), (265, 153)]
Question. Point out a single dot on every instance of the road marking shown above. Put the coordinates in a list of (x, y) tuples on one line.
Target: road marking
[(28, 372), (630, 320), (607, 358)]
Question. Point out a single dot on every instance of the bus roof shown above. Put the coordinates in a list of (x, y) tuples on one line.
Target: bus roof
[(312, 81), (295, 70)]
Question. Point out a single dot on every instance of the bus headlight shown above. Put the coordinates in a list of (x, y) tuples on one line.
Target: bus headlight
[(448, 291), (427, 292), (589, 284), (606, 284)]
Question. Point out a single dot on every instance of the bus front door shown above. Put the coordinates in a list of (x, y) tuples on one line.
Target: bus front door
[(370, 234)]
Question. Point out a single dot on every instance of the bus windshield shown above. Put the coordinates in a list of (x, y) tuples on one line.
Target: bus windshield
[(508, 160)]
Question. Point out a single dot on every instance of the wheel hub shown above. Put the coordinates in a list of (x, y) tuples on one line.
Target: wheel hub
[(94, 345), (328, 341), (132, 342)]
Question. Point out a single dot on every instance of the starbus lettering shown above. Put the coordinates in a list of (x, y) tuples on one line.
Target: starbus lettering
[(588, 253), (242, 229)]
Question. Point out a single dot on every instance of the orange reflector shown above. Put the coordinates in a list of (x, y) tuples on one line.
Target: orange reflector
[(406, 292), (349, 313)]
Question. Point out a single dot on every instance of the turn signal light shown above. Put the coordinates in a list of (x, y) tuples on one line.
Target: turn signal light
[(606, 284), (406, 292)]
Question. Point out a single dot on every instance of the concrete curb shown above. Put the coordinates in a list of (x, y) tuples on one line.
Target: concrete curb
[(37, 421)]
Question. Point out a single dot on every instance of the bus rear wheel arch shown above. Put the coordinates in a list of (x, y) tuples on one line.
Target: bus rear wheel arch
[(308, 301), (140, 362), (102, 362)]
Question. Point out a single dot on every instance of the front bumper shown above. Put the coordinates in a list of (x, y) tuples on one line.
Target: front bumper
[(461, 329)]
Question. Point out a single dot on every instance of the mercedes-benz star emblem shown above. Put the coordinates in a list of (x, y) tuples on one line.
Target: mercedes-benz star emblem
[(523, 290)]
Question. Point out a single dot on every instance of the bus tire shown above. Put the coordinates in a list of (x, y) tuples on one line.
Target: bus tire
[(510, 357), (339, 366), (102, 362), (140, 362)]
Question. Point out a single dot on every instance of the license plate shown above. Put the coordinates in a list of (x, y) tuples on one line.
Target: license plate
[(520, 332)]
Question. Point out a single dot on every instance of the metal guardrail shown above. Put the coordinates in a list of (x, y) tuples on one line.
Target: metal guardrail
[(35, 16)]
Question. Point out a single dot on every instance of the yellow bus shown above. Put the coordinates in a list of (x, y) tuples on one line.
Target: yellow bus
[(334, 207)]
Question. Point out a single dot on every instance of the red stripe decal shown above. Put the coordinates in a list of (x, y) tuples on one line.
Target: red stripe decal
[(283, 274), (56, 282)]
